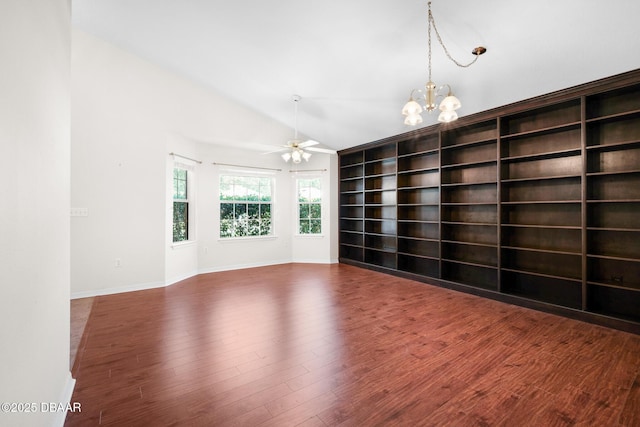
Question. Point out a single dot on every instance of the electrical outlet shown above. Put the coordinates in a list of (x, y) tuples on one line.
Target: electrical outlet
[(79, 212), (118, 262)]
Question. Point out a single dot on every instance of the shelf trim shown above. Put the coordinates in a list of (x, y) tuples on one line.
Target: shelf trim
[(550, 276), (432, 169), (561, 227), (613, 146), (463, 242), (605, 173), (613, 200), (471, 143), (462, 184), (614, 116), (483, 224), (541, 178), (542, 202), (538, 156), (419, 153), (419, 256), (469, 203), (611, 285), (488, 162), (548, 129), (540, 250), (473, 264), (417, 188), (612, 257), (625, 230)]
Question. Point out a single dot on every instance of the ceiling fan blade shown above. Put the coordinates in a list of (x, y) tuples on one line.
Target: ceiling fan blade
[(279, 150), (321, 150), (308, 143)]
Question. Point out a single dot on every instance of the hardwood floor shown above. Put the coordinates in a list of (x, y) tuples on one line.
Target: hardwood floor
[(336, 345), (80, 309)]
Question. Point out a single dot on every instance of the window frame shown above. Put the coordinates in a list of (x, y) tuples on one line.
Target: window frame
[(298, 204), (247, 202), (185, 201)]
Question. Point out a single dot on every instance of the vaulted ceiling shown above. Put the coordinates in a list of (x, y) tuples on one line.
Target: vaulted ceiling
[(354, 62)]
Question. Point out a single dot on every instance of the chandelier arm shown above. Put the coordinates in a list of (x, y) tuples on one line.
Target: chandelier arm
[(432, 23)]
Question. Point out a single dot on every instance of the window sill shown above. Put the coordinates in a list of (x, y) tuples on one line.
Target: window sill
[(310, 236), (184, 244), (246, 238)]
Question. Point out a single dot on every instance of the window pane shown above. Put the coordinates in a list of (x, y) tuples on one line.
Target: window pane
[(315, 226), (303, 226), (226, 211), (226, 188), (179, 184), (304, 211), (315, 211), (239, 190), (180, 221), (253, 210), (253, 189), (265, 220), (241, 210), (265, 189), (226, 228), (254, 227), (303, 190), (240, 227)]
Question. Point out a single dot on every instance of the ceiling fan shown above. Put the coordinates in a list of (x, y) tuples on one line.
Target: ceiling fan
[(297, 149)]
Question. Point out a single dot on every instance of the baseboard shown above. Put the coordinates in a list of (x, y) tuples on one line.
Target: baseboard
[(117, 290), (241, 266), (315, 261), (180, 278), (65, 398), (176, 279)]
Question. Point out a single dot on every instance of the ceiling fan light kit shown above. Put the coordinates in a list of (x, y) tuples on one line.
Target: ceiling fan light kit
[(428, 96)]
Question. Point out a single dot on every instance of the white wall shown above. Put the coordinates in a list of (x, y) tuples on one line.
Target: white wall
[(127, 115), (34, 213)]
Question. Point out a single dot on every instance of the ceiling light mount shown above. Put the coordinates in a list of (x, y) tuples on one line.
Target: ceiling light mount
[(479, 50), (428, 96), (297, 154)]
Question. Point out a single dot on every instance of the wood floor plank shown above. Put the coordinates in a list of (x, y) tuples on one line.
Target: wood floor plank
[(336, 345)]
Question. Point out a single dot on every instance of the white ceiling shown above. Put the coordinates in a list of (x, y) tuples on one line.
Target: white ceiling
[(354, 62)]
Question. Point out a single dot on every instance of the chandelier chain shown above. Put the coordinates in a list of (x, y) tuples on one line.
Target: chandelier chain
[(432, 22)]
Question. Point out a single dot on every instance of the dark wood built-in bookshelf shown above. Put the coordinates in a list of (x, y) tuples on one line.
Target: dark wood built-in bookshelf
[(536, 203)]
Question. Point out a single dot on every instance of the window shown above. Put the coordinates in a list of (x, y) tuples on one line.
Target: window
[(309, 205), (245, 206), (180, 205)]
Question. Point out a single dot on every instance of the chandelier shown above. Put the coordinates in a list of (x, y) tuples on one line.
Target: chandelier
[(428, 96)]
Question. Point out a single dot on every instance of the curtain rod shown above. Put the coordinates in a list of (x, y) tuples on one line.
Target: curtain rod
[(185, 157), (307, 170), (243, 166)]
